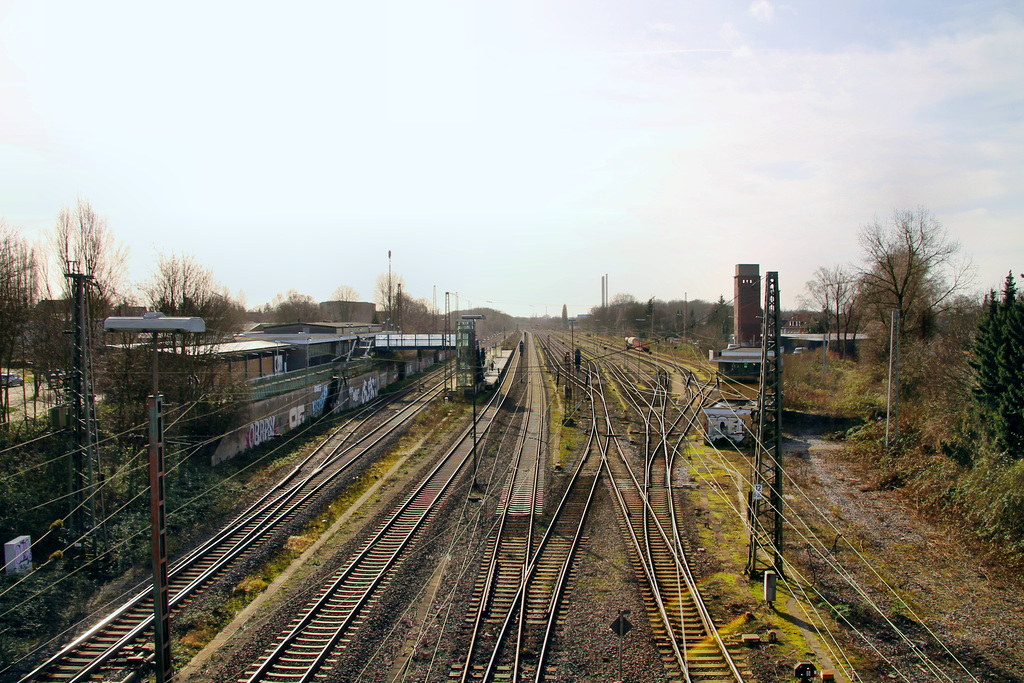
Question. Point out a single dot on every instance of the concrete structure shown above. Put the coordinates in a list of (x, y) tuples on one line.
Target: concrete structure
[(747, 305), (287, 401), (812, 342), (250, 359), (347, 311), (312, 344), (320, 327)]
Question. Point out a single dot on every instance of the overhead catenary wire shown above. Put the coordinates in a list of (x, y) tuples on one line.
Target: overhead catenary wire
[(145, 528), (728, 499), (295, 434), (94, 491), (851, 581), (713, 483)]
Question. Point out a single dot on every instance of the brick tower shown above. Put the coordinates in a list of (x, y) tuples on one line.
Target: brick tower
[(747, 304)]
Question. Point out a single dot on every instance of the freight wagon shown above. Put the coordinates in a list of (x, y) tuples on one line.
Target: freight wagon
[(638, 344)]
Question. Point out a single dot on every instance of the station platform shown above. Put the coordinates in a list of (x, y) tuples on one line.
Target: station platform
[(494, 363)]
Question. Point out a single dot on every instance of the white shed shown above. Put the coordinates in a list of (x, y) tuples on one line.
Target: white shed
[(729, 419)]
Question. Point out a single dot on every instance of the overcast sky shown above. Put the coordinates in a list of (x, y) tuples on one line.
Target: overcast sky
[(515, 150)]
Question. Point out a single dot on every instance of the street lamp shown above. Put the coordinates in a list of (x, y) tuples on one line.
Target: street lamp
[(155, 323)]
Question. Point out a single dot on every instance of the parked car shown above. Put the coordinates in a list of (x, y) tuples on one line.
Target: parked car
[(11, 379)]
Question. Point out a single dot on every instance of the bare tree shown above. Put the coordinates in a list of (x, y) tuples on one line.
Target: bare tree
[(834, 291), (416, 315), (18, 289), (385, 293), (345, 293), (82, 243), (293, 307), (910, 265), (181, 286), (190, 368)]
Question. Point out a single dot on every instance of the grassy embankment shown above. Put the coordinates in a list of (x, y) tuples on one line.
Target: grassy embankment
[(941, 461), (204, 626)]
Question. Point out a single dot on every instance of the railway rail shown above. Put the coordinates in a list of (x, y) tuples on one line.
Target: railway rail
[(692, 648), (510, 546), (118, 640), (314, 640), (515, 614)]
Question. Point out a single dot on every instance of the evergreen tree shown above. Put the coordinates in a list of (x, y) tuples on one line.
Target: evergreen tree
[(999, 369)]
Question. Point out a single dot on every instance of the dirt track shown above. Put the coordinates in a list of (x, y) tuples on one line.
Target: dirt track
[(926, 609)]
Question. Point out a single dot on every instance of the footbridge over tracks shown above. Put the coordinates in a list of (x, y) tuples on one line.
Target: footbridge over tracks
[(411, 342)]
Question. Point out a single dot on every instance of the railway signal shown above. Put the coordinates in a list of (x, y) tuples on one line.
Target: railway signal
[(621, 627), (805, 672)]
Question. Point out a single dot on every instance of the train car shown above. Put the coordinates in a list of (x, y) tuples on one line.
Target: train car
[(638, 344)]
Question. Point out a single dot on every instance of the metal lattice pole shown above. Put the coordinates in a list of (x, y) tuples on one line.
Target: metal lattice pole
[(765, 499)]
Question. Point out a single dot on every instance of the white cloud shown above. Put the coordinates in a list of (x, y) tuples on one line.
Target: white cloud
[(762, 10), (730, 34)]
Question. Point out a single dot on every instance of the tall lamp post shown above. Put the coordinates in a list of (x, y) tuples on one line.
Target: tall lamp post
[(155, 323)]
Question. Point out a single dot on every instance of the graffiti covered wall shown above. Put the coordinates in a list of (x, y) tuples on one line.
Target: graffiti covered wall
[(269, 418)]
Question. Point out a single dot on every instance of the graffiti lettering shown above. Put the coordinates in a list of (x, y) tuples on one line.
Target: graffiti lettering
[(261, 431), (369, 391), (320, 401)]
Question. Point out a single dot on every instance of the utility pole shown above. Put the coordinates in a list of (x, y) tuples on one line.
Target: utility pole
[(892, 411), (84, 466), (447, 331), (765, 516), (824, 347), (399, 322), (155, 323)]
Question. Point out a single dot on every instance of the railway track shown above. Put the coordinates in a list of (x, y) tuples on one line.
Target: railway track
[(314, 641), (119, 641), (520, 593), (690, 644), (511, 544)]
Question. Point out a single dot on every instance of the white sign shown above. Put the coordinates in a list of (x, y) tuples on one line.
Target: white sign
[(758, 491), (18, 555)]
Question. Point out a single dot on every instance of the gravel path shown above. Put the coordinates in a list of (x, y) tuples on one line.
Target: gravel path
[(941, 614)]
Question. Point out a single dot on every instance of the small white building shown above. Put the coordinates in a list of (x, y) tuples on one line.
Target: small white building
[(730, 419)]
